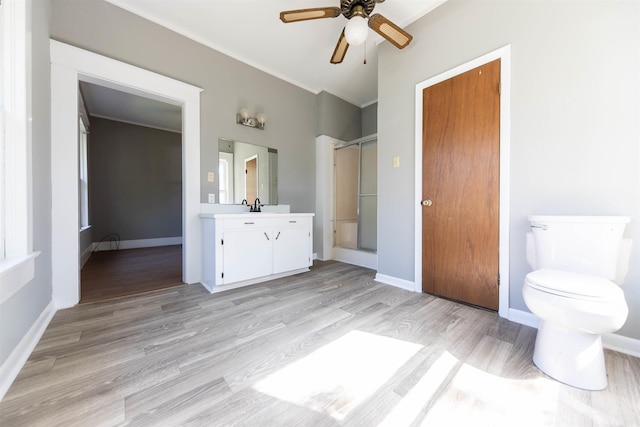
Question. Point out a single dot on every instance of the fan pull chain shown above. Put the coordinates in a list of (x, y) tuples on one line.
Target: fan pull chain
[(365, 52)]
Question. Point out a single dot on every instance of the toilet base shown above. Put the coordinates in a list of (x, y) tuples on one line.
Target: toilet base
[(573, 357)]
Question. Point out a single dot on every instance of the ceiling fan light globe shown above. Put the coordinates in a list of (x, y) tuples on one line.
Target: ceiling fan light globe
[(356, 30)]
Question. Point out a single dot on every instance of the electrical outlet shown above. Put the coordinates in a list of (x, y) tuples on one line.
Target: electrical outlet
[(210, 176), (212, 198)]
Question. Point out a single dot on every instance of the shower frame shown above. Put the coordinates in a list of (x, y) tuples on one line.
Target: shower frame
[(359, 142)]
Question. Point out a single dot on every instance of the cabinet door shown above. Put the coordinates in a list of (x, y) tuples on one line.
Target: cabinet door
[(291, 248), (246, 254)]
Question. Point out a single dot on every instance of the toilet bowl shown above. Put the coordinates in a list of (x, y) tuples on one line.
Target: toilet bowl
[(576, 299), (569, 345)]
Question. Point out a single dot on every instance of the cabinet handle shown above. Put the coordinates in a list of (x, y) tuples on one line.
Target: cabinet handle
[(292, 222), (266, 235), (278, 235), (248, 223)]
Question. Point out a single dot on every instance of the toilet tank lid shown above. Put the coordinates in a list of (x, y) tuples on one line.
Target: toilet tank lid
[(580, 218), (578, 285)]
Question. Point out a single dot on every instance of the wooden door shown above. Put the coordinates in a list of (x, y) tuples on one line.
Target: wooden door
[(460, 176), (251, 179)]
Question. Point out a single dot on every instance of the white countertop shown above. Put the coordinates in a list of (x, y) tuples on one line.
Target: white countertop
[(251, 215)]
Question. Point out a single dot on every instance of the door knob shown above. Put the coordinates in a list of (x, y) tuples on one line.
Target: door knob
[(426, 202)]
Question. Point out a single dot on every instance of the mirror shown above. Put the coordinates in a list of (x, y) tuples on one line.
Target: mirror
[(247, 171)]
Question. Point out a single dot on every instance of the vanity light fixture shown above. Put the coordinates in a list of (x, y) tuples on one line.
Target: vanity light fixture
[(244, 118)]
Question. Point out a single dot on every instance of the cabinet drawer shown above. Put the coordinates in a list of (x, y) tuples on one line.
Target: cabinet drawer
[(291, 221), (246, 223)]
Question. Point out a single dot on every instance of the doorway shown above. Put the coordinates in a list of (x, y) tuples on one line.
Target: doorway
[(131, 240), (503, 54), (251, 179), (69, 65)]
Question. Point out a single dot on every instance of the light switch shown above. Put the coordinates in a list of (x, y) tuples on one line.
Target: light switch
[(396, 162), (212, 198), (210, 176)]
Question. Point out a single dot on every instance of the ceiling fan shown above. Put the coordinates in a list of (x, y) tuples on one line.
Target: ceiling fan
[(358, 12)]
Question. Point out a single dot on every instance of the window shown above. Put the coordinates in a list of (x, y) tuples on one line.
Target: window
[(83, 185), (16, 257), (225, 178)]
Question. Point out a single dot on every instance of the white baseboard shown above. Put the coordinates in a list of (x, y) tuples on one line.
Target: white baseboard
[(355, 257), (141, 243), (524, 318), (213, 288), (84, 257), (394, 281), (630, 346), (615, 342), (10, 369)]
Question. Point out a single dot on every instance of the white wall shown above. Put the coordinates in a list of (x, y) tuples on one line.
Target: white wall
[(575, 108)]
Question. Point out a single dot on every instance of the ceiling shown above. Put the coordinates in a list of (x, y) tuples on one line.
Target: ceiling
[(113, 104), (251, 31)]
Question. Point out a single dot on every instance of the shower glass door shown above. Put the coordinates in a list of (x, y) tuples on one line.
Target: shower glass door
[(356, 185), (368, 197)]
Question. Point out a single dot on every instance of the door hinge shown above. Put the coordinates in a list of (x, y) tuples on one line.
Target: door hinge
[(500, 88), (222, 241), (498, 279), (222, 275)]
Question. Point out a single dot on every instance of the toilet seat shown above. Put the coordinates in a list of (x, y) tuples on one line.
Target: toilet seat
[(574, 285)]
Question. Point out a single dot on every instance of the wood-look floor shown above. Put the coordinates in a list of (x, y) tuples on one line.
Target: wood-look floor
[(113, 274), (325, 348)]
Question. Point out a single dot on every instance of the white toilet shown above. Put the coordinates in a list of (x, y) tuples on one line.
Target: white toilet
[(572, 290)]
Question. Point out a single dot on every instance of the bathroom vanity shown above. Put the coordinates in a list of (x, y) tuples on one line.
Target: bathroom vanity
[(244, 248)]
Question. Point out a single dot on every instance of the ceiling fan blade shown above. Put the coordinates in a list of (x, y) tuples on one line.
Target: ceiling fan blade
[(390, 31), (307, 14), (340, 50)]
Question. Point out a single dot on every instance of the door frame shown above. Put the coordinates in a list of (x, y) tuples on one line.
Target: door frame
[(504, 54), (69, 66)]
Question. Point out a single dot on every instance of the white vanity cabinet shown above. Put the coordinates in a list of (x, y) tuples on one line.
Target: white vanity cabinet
[(241, 249), (244, 247), (291, 240)]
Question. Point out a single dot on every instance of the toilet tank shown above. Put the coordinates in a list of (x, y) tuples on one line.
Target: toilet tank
[(582, 244)]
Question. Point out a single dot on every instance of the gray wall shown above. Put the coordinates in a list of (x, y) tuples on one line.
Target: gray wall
[(574, 119), (228, 86), (86, 239), (19, 313), (338, 118), (135, 181), (370, 119)]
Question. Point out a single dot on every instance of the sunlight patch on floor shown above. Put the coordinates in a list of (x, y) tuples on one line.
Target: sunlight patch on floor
[(477, 398), (339, 376), (405, 412)]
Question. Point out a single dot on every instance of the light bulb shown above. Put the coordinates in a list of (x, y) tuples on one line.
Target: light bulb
[(356, 30)]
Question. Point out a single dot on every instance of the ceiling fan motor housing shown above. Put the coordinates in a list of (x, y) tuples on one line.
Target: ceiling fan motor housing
[(349, 6)]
